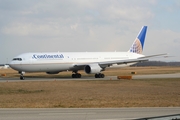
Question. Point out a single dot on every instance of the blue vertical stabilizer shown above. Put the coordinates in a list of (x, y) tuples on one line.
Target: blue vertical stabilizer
[(138, 44)]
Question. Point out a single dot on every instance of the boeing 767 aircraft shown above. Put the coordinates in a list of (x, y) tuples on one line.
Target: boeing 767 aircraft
[(90, 62)]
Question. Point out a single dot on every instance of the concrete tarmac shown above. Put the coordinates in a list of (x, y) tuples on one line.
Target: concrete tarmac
[(175, 75), (84, 113), (152, 76)]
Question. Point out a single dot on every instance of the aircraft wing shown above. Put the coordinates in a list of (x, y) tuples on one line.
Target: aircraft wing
[(80, 66), (157, 55), (118, 62)]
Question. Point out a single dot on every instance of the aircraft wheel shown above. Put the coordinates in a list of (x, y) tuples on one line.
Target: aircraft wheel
[(22, 77), (76, 75), (100, 75), (73, 75), (96, 76)]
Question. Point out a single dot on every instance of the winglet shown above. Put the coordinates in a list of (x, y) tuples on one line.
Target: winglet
[(138, 44)]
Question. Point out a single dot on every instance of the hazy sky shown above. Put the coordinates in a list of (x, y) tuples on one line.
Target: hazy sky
[(88, 25)]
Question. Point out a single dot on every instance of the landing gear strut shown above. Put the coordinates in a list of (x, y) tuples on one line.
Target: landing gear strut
[(99, 75), (76, 75), (21, 75)]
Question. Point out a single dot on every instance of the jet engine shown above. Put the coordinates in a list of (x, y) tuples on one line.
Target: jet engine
[(92, 68)]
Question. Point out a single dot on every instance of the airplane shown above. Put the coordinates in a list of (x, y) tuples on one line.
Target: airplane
[(90, 62)]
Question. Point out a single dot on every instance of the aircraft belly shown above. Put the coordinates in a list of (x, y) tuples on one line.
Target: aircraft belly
[(45, 67)]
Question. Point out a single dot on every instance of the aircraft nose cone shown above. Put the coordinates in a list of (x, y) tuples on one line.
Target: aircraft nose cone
[(11, 64)]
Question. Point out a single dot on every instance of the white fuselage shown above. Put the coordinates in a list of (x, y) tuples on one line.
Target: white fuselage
[(63, 61)]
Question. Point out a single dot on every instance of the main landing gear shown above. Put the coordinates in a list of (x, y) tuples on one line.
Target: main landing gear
[(21, 75), (99, 75), (76, 75)]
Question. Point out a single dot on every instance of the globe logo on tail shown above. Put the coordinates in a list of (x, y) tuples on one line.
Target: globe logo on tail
[(136, 47)]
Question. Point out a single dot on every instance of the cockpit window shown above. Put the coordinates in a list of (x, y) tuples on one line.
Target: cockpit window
[(18, 59)]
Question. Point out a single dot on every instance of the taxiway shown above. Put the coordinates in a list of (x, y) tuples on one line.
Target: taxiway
[(84, 113), (152, 76)]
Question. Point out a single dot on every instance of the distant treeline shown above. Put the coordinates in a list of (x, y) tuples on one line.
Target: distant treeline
[(157, 63)]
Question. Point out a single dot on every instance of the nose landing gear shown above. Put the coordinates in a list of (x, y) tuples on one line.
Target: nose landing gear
[(21, 75)]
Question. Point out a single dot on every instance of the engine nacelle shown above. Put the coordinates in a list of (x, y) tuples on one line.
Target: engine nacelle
[(52, 72), (92, 68)]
